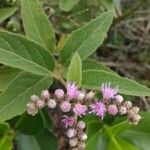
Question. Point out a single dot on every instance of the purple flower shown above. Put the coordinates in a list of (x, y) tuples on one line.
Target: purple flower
[(72, 90), (108, 92), (68, 121), (80, 109), (99, 109)]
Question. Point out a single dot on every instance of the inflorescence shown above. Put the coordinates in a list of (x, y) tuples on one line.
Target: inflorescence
[(76, 103)]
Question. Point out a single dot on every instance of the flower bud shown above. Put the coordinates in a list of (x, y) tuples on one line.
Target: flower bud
[(131, 114), (40, 104), (83, 136), (65, 106), (119, 99), (71, 133), (51, 103), (73, 142), (45, 94), (59, 93), (34, 98), (127, 104), (81, 145), (90, 95), (112, 109), (135, 109), (81, 124), (123, 110), (31, 106), (137, 118), (81, 96), (31, 109), (32, 112), (75, 148)]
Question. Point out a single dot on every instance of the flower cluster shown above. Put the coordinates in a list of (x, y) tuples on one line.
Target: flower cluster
[(75, 103)]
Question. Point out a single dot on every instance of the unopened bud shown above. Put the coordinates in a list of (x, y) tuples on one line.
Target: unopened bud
[(71, 133), (34, 98), (112, 109), (119, 99), (40, 104), (32, 112), (131, 114), (73, 142), (83, 136), (137, 118), (135, 109), (81, 145), (45, 94), (59, 93), (123, 110), (65, 106), (81, 96), (31, 106), (81, 124), (127, 104), (31, 109), (74, 148), (90, 95), (51, 103)]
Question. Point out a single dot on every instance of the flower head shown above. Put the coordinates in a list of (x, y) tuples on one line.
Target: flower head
[(72, 90), (68, 121), (99, 109), (80, 109), (108, 92)]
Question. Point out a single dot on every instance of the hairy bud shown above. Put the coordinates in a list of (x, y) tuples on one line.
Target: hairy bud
[(59, 93), (81, 124), (40, 104), (71, 132), (73, 142), (51, 103)]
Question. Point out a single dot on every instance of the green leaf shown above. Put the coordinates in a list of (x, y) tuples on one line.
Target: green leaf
[(14, 99), (6, 75), (92, 128), (139, 139), (75, 70), (106, 138), (18, 52), (46, 118), (88, 38), (94, 65), (139, 135), (36, 24), (67, 5), (6, 13), (93, 79), (108, 4), (44, 140), (6, 137), (28, 124), (120, 144), (97, 142)]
